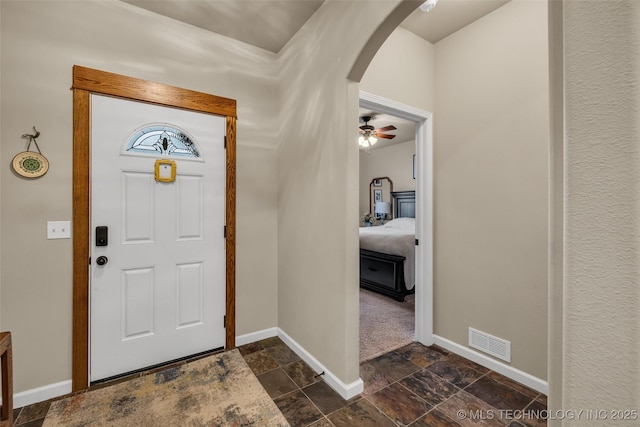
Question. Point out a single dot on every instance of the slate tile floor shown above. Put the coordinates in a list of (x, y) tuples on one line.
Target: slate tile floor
[(411, 386), (414, 385)]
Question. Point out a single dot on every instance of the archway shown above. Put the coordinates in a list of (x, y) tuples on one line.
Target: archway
[(541, 292)]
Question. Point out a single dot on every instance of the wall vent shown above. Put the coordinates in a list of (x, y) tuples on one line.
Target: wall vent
[(489, 344)]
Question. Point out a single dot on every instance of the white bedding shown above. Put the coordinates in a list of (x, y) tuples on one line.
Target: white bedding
[(396, 237)]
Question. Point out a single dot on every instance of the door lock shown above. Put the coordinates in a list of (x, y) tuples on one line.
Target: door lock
[(102, 235), (102, 260)]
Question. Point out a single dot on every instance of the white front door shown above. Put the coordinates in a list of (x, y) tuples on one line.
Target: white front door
[(159, 294)]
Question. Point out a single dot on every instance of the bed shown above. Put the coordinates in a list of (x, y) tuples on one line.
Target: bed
[(387, 252)]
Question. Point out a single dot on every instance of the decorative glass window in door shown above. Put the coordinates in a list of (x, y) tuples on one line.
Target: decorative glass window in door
[(162, 139)]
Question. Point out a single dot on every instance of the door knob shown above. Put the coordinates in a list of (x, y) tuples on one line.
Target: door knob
[(102, 260)]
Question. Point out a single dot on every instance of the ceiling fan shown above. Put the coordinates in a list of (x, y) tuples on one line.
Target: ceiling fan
[(369, 135)]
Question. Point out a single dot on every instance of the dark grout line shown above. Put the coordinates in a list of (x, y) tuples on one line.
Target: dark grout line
[(363, 396)]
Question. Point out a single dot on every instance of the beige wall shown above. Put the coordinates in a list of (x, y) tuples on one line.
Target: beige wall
[(395, 162), (602, 104), (602, 208), (41, 41), (403, 70), (491, 143), (318, 167), (487, 88), (556, 212), (321, 313)]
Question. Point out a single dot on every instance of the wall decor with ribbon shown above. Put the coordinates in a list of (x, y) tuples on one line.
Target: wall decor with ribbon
[(30, 164)]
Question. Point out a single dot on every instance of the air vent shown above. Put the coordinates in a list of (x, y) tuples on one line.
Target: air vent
[(489, 344)]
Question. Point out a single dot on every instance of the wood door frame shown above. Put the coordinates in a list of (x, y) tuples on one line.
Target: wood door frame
[(85, 82)]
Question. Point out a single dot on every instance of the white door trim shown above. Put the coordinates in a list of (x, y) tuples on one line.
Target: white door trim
[(424, 201)]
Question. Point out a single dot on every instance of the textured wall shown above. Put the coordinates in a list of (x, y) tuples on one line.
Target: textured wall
[(602, 210)]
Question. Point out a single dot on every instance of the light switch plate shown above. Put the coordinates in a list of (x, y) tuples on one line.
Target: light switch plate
[(58, 229)]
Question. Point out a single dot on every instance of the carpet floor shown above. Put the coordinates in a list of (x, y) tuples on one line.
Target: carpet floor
[(218, 390), (385, 324)]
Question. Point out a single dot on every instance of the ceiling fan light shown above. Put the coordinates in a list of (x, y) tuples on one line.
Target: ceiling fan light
[(428, 5), (361, 140), (373, 140)]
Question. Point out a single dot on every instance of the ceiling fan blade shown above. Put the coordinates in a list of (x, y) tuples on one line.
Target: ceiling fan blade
[(386, 128), (384, 135)]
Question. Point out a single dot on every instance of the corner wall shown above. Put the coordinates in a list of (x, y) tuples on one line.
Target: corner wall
[(318, 182)]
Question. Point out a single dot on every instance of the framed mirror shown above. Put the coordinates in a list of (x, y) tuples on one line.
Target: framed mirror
[(380, 203)]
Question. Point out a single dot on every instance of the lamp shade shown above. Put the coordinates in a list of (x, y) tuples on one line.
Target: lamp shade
[(383, 207)]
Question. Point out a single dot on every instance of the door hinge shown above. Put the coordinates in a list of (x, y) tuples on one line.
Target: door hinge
[(225, 142), (89, 260), (225, 232), (224, 321), (417, 242)]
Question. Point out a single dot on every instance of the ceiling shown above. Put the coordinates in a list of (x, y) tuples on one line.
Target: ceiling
[(448, 17), (268, 24), (279, 20)]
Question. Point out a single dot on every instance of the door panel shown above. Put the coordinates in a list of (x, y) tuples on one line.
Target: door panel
[(161, 296), (138, 297), (137, 206), (189, 294), (189, 221)]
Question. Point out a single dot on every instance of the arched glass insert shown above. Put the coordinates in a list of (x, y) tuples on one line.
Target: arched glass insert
[(162, 139)]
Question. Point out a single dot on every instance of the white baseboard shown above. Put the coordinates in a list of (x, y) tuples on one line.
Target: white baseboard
[(256, 336), (40, 394), (347, 391), (495, 365)]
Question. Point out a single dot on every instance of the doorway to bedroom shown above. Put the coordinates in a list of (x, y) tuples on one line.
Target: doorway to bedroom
[(395, 212)]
